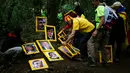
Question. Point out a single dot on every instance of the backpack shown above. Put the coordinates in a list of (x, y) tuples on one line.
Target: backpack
[(110, 17)]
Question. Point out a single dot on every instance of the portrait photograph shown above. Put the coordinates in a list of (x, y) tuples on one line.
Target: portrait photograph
[(37, 64), (45, 45), (53, 56), (109, 54), (40, 22), (66, 51), (30, 48), (50, 33)]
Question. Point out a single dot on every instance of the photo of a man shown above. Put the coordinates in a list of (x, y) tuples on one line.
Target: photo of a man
[(53, 55), (30, 48), (50, 34), (37, 64), (46, 45)]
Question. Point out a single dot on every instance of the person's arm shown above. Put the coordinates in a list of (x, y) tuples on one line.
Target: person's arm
[(70, 37), (101, 22)]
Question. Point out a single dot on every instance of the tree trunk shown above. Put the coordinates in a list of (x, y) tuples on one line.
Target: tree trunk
[(52, 10)]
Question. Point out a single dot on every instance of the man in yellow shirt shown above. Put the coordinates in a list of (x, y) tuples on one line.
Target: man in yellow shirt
[(82, 30)]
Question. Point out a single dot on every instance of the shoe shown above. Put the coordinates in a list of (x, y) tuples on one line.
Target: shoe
[(91, 62)]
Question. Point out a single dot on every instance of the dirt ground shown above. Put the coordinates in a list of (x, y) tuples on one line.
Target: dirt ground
[(65, 66)]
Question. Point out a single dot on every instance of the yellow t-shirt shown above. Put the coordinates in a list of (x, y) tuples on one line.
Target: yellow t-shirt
[(82, 25)]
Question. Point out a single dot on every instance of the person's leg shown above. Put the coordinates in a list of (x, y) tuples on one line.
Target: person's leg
[(103, 49), (118, 51), (14, 52), (91, 51), (83, 45)]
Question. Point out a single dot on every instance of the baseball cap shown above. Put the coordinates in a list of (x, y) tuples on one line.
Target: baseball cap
[(67, 18)]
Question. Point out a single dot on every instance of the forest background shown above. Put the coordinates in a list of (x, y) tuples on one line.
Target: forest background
[(22, 13)]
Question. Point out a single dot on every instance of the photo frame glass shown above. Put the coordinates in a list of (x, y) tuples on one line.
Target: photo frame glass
[(45, 45), (53, 56), (30, 48), (37, 64), (50, 33), (69, 46), (66, 51), (40, 22), (76, 50)]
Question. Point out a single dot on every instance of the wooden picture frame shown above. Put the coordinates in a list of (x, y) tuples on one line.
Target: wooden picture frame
[(37, 64), (109, 55), (53, 56), (45, 45), (66, 51), (61, 39), (62, 34), (30, 48), (40, 22), (50, 33), (75, 49), (71, 13)]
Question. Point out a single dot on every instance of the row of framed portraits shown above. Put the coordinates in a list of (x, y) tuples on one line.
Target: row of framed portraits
[(41, 26), (45, 47), (50, 31)]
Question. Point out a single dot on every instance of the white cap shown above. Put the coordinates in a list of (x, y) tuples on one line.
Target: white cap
[(116, 4), (76, 3)]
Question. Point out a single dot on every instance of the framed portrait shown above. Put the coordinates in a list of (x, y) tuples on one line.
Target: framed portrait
[(37, 64), (50, 33), (66, 51), (45, 45), (76, 50), (71, 13), (62, 34), (53, 56), (30, 48), (40, 22), (109, 54)]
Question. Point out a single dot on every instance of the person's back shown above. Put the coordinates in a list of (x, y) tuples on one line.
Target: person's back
[(82, 25)]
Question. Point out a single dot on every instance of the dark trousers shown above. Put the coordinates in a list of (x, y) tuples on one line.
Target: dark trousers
[(116, 45), (80, 42)]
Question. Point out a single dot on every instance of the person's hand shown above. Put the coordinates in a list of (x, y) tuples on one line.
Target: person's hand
[(64, 43), (94, 33)]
